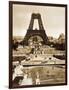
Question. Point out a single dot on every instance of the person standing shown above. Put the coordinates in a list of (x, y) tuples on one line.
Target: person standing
[(37, 78), (18, 71)]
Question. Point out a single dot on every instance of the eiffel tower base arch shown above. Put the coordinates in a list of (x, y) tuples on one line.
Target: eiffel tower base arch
[(30, 32)]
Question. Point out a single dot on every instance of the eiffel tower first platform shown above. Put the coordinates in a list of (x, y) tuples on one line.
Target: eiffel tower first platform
[(36, 32)]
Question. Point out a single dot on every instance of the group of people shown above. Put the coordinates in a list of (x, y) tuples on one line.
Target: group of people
[(21, 76)]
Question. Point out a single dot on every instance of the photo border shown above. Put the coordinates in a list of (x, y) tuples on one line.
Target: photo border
[(10, 40)]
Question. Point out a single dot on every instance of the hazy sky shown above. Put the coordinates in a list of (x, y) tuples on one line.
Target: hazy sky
[(53, 19)]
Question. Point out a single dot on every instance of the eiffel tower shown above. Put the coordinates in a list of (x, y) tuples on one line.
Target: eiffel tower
[(31, 32)]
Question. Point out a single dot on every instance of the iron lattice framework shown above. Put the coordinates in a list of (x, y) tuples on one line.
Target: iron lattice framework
[(31, 32)]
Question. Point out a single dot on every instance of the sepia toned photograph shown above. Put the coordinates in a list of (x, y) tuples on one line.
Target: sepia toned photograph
[(38, 44)]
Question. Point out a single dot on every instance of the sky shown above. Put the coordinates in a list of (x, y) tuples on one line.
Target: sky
[(53, 19)]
